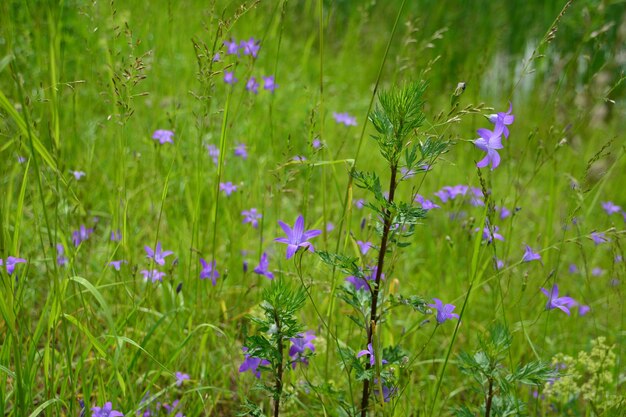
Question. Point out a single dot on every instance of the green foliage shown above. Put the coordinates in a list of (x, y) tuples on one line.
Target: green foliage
[(493, 381), (397, 116)]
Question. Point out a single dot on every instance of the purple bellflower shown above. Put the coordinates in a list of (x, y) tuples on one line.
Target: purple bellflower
[(611, 208), (583, 310), (163, 136), (229, 77), (209, 271), (78, 174), (489, 232), (426, 204), (530, 255), (503, 120), (297, 237), (369, 352), (252, 85), (214, 153), (251, 216), (157, 254), (360, 203), (263, 267), (232, 47), (241, 151), (117, 265), (490, 142), (10, 263), (228, 188), (155, 275), (252, 364), (444, 311), (364, 247), (298, 347), (81, 235), (250, 47), (554, 301), (180, 378), (269, 84), (345, 119), (105, 411), (61, 258), (599, 238)]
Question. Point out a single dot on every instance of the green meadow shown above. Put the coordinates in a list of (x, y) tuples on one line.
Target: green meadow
[(458, 168)]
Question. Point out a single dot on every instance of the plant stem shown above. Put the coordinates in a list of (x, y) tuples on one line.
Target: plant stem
[(376, 287), (489, 399), (279, 370)]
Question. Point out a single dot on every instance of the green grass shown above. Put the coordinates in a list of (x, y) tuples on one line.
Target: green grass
[(84, 85)]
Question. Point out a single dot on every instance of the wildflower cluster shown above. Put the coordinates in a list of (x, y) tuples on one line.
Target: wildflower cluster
[(588, 377), (250, 48)]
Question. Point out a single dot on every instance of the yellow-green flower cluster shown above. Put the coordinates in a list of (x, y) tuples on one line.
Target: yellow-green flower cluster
[(587, 377)]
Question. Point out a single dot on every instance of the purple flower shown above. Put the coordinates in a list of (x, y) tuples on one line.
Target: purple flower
[(598, 238), (426, 204), (229, 77), (596, 272), (78, 174), (21, 159), (360, 203), (116, 236), (154, 275), (158, 254), (106, 411), (317, 143), (252, 85), (298, 347), (369, 352), (269, 84), (344, 118), (216, 57), (263, 267), (489, 142), (388, 391), (476, 199), (364, 246), (250, 47), (444, 311), (180, 378), (251, 216), (330, 227), (529, 255), (504, 212), (489, 232), (209, 271), (228, 188), (232, 47), (499, 263), (81, 235), (61, 259), (117, 265), (297, 237), (10, 263), (214, 153), (252, 364), (361, 283), (163, 136), (503, 120), (241, 151), (583, 309), (573, 269), (554, 301), (611, 208)]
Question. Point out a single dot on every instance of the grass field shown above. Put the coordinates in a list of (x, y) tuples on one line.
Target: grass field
[(156, 157)]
